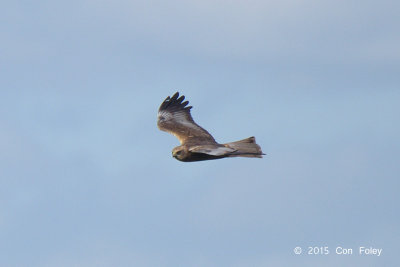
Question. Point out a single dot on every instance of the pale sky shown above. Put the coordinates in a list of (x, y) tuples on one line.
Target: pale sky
[(87, 179)]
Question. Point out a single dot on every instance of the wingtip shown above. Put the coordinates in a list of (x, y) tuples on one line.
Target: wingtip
[(175, 101), (175, 96)]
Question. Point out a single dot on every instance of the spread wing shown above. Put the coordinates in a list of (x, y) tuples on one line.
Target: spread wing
[(174, 117)]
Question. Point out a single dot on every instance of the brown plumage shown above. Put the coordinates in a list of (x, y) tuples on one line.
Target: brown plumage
[(196, 143)]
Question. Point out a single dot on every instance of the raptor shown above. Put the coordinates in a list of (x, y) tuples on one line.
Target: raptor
[(196, 143)]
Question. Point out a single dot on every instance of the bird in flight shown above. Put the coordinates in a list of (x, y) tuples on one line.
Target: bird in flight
[(196, 143)]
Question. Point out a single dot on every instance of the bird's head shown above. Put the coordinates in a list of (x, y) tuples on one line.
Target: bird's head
[(180, 153)]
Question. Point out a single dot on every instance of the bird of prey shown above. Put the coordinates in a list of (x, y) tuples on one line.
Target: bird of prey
[(196, 143)]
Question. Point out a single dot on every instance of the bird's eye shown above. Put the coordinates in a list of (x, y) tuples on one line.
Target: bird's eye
[(179, 152)]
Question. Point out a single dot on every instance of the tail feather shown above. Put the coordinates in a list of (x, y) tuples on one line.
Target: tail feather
[(246, 148)]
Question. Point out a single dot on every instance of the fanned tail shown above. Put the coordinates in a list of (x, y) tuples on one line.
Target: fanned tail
[(245, 148)]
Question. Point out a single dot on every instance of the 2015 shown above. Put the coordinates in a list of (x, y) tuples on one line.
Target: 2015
[(318, 250)]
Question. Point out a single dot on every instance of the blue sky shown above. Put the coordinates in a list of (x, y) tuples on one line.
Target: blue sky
[(87, 179)]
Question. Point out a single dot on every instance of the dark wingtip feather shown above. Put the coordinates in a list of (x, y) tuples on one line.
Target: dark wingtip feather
[(180, 99), (175, 96), (175, 103)]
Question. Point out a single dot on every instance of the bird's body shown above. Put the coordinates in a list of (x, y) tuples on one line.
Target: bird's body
[(196, 143)]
